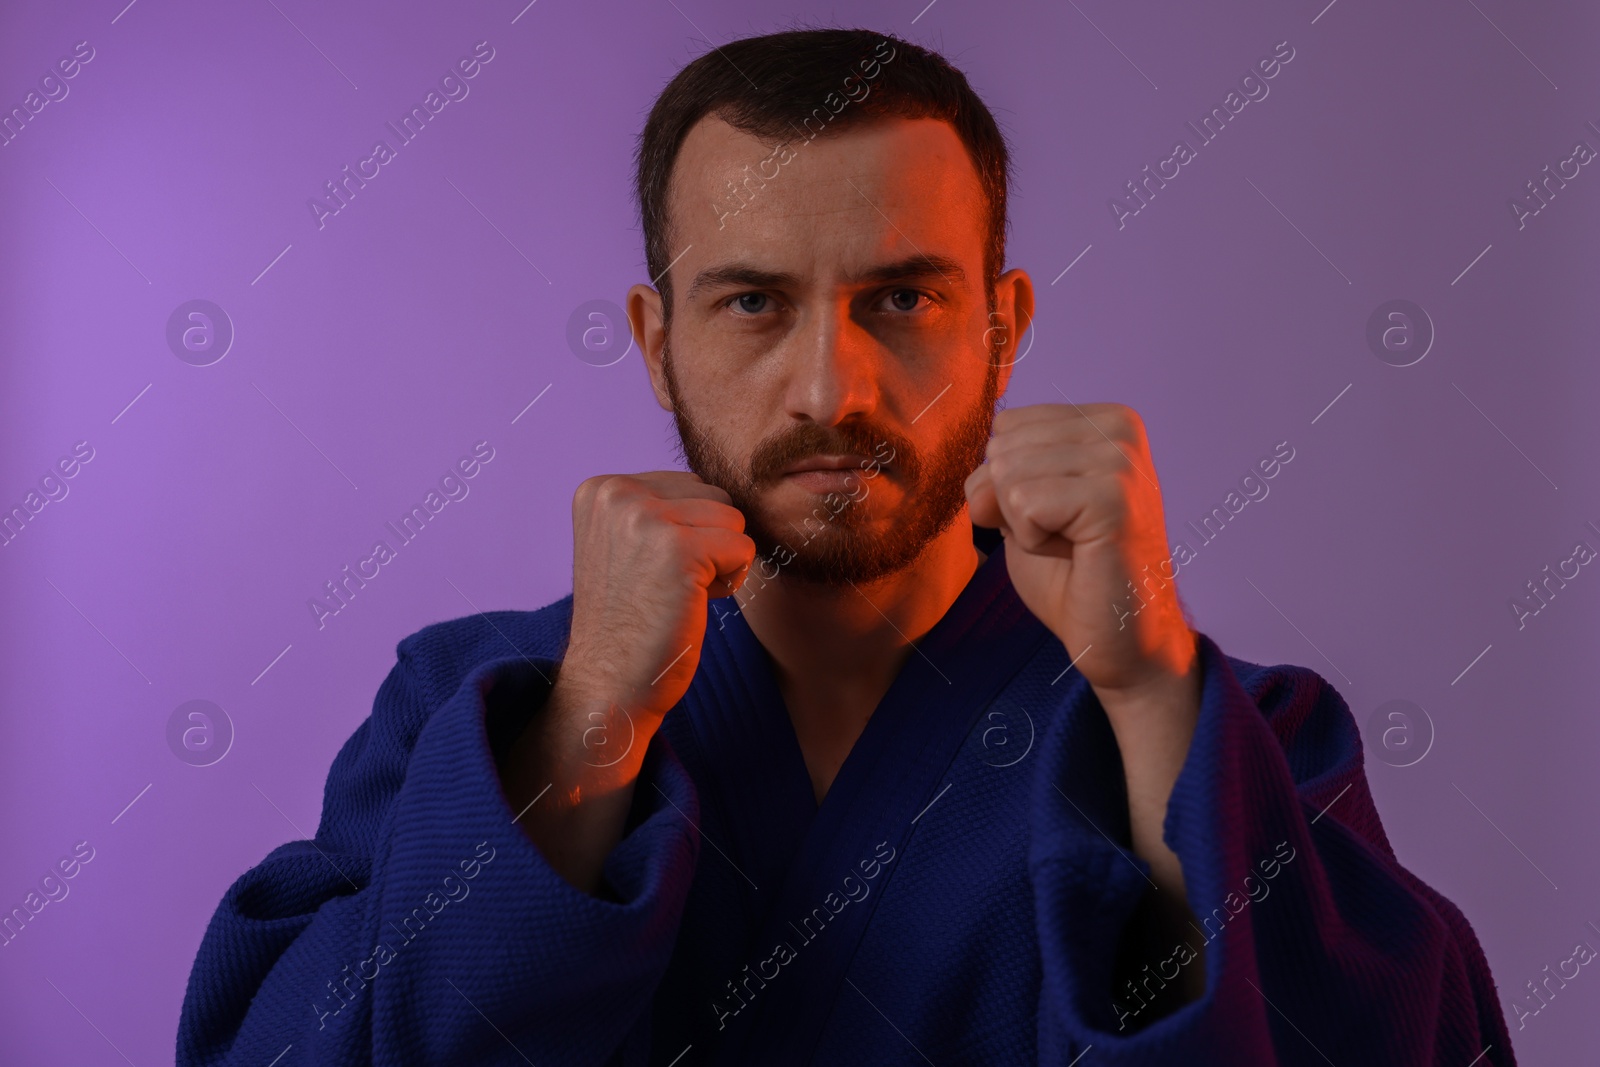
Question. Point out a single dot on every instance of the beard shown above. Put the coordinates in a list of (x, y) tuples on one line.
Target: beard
[(838, 541)]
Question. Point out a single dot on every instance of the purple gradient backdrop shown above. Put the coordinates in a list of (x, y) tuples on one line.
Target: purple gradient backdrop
[(433, 309)]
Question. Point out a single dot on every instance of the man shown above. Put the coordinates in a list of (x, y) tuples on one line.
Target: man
[(813, 766)]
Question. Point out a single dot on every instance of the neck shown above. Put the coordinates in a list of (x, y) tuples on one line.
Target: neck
[(852, 639)]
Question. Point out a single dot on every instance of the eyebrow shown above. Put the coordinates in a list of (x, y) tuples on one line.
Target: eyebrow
[(918, 265)]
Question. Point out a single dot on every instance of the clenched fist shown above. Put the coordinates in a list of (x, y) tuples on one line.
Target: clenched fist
[(649, 550), (1073, 489)]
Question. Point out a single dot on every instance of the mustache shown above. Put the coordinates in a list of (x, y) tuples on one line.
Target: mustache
[(886, 450)]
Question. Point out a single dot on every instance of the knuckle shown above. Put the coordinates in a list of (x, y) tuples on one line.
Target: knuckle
[(584, 495), (1033, 509), (612, 487), (596, 491), (1131, 425), (624, 494), (1017, 497), (640, 524)]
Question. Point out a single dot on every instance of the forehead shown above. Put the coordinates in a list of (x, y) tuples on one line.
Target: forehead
[(881, 190)]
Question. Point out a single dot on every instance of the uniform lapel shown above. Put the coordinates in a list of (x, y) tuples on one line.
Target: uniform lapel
[(754, 767), (841, 863)]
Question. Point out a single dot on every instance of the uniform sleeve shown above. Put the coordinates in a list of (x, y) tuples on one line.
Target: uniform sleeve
[(421, 926), (1318, 946)]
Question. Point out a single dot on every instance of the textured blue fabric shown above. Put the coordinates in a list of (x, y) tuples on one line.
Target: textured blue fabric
[(959, 896)]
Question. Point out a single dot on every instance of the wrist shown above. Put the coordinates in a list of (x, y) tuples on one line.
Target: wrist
[(1169, 679), (588, 737)]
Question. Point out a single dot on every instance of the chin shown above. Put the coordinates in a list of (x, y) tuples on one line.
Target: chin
[(809, 515), (804, 544)]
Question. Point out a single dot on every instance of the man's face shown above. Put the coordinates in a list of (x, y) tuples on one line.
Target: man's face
[(840, 312)]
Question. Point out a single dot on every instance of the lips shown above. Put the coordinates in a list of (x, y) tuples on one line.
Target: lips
[(826, 463)]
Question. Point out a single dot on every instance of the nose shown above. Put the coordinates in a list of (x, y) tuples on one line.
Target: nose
[(833, 367)]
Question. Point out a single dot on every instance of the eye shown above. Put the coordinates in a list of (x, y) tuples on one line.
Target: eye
[(906, 299), (751, 303)]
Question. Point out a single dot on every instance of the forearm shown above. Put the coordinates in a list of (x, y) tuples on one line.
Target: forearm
[(1153, 727), (570, 778)]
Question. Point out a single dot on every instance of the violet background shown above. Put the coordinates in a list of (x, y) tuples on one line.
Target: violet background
[(180, 564)]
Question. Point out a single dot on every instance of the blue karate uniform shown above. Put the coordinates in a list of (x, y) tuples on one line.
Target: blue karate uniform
[(962, 894)]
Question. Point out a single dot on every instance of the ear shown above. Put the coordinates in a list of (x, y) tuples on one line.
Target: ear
[(1013, 300), (644, 319)]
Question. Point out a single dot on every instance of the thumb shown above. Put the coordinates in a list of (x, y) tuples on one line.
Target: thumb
[(982, 504)]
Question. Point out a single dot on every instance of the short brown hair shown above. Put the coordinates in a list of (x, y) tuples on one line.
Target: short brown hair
[(776, 87)]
